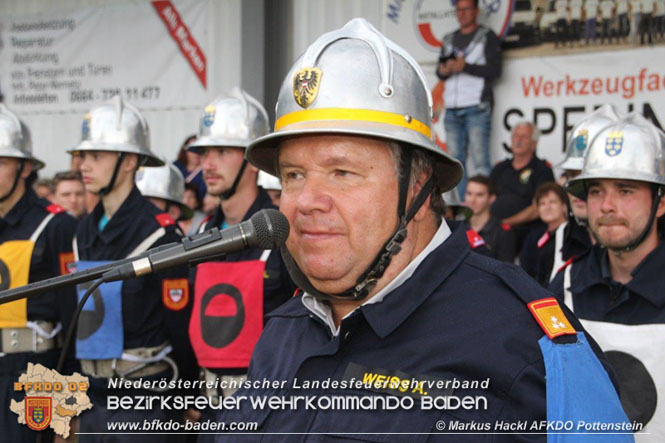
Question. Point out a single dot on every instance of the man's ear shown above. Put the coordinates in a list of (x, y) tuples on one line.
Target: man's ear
[(28, 166), (660, 210), (130, 162), (425, 208), (492, 198)]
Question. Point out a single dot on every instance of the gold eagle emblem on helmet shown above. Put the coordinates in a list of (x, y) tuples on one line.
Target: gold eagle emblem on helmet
[(306, 86)]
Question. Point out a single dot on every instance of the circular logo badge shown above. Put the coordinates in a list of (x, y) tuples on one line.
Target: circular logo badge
[(432, 19)]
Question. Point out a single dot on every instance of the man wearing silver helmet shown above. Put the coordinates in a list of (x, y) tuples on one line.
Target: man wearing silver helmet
[(35, 244), (233, 293), (616, 289), (393, 304), (573, 238), (134, 329), (164, 186)]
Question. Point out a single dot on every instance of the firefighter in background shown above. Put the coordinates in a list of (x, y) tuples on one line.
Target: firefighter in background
[(573, 238), (164, 186), (456, 213), (232, 295), (35, 244), (271, 184), (616, 289), (135, 328)]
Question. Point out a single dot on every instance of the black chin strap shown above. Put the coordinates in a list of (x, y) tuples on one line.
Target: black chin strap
[(370, 277), (21, 164), (108, 188), (232, 190)]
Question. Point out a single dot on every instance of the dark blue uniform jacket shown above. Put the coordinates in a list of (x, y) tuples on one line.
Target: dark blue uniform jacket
[(146, 320), (460, 316)]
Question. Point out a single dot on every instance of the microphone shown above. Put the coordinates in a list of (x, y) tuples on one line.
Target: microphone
[(267, 229)]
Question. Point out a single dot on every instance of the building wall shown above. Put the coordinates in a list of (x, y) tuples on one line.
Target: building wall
[(234, 42)]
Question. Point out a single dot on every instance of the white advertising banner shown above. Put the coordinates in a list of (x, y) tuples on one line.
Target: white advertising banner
[(552, 87), (555, 93), (152, 54), (419, 25)]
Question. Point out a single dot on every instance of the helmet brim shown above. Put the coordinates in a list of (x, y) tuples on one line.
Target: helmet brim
[(262, 153)]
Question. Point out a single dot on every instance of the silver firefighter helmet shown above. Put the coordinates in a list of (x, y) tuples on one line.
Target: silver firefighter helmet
[(582, 134), (165, 182), (15, 140), (267, 181), (356, 81), (235, 120), (629, 149), (117, 126)]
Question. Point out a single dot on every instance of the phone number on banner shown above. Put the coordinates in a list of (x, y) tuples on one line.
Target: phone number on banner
[(103, 94)]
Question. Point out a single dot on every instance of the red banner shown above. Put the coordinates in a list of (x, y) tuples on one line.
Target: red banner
[(227, 317), (183, 38)]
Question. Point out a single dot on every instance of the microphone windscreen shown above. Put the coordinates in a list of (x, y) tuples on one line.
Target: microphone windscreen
[(271, 228)]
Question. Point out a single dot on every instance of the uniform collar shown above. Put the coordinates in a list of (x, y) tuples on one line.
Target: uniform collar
[(261, 201), (646, 276), (22, 206), (385, 311), (124, 216), (492, 223)]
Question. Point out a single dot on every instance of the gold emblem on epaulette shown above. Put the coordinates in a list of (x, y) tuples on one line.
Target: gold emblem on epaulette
[(550, 317), (306, 84), (614, 143)]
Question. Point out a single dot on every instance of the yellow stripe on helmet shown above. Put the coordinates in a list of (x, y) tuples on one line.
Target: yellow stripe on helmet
[(361, 115)]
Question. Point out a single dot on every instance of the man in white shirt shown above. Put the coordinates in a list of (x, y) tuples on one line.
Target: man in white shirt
[(590, 12), (561, 8), (622, 15), (635, 19), (606, 13), (576, 20), (646, 22)]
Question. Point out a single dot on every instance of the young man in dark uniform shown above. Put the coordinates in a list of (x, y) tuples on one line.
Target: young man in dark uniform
[(232, 294), (136, 328), (616, 289), (500, 238), (35, 244), (573, 238), (391, 296)]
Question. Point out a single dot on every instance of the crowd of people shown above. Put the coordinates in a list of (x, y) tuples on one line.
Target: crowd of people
[(605, 21), (386, 274)]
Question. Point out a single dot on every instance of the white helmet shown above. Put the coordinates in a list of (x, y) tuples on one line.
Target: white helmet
[(583, 132), (117, 126), (15, 138), (630, 149), (165, 182), (356, 81), (267, 181), (236, 120)]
